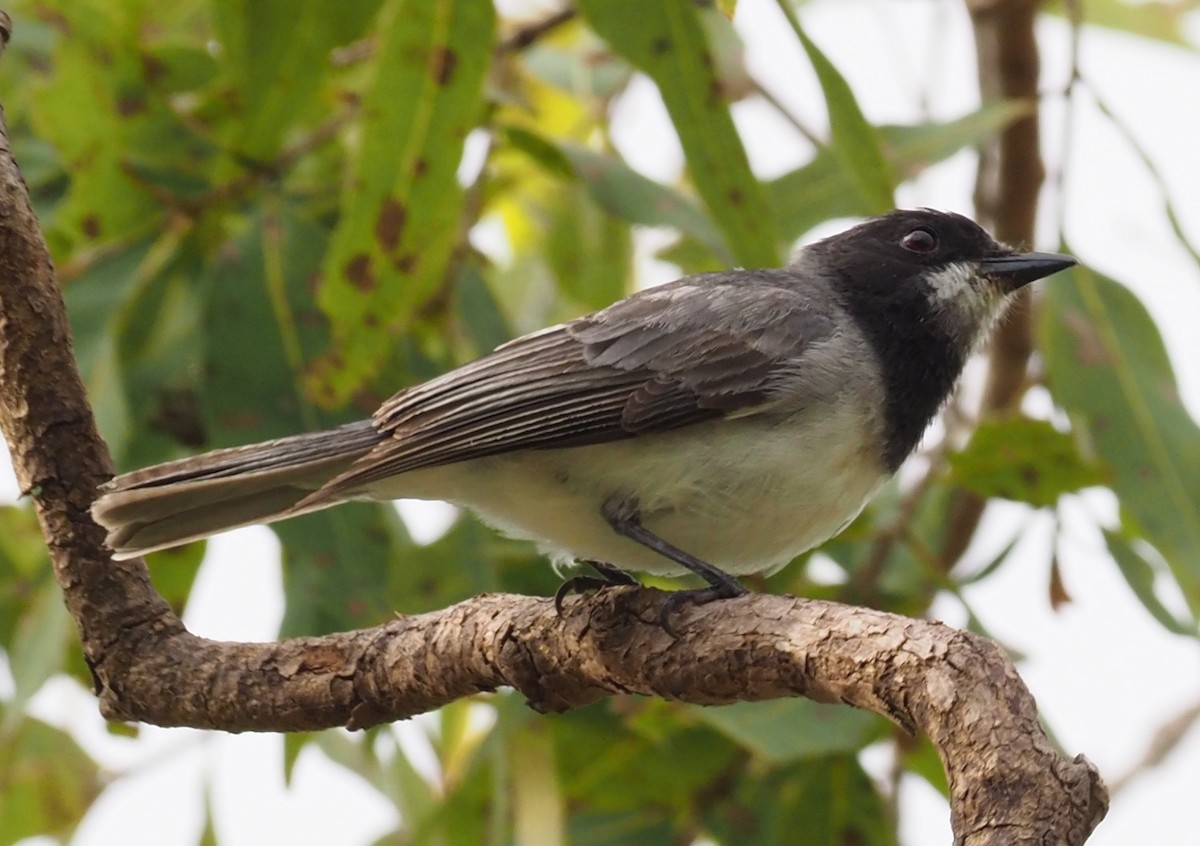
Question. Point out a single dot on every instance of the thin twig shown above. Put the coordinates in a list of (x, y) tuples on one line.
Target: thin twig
[(529, 34), (1164, 742), (1155, 175), (809, 135), (1011, 172)]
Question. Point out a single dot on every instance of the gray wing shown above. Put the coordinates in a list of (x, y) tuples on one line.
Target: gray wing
[(700, 348)]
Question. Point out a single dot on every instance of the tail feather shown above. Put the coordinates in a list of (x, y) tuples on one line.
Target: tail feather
[(181, 501)]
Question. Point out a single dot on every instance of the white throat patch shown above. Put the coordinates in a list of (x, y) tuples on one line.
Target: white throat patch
[(958, 289), (956, 283), (961, 301)]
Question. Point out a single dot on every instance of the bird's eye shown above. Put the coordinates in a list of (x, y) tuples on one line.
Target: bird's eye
[(920, 241)]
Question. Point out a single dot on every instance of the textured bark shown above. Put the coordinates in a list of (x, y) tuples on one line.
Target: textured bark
[(1008, 784), (1007, 185)]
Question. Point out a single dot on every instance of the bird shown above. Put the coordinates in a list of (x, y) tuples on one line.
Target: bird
[(721, 424)]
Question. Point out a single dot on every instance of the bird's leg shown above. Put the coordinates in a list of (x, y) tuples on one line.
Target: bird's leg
[(610, 576), (625, 521)]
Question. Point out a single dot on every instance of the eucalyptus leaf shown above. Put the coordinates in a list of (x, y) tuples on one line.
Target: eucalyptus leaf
[(1024, 460), (831, 800), (638, 199), (259, 309), (589, 250), (784, 730), (49, 783), (619, 828), (1107, 366), (401, 207), (855, 141), (277, 79), (667, 41), (1162, 21), (1141, 571), (37, 649), (825, 187)]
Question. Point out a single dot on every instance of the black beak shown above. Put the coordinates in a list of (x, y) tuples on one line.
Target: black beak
[(1018, 269)]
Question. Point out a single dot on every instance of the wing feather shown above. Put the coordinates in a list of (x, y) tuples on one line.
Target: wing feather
[(667, 357)]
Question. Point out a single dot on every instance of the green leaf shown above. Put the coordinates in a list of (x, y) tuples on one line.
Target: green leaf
[(158, 351), (294, 742), (855, 141), (626, 193), (38, 647), (259, 313), (402, 203), (825, 187), (1141, 569), (831, 800), (174, 572), (94, 304), (659, 757), (921, 757), (1024, 460), (729, 53), (24, 567), (582, 67), (453, 812), (620, 828), (910, 149), (334, 562), (907, 577), (784, 730), (49, 783), (96, 109), (987, 568), (540, 149), (433, 576), (666, 40), (537, 796), (352, 751), (1107, 366), (277, 75), (102, 204), (478, 312), (589, 250), (208, 834), (1162, 20), (176, 66), (416, 799), (691, 257)]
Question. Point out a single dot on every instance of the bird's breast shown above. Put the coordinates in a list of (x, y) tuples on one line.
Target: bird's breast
[(746, 494)]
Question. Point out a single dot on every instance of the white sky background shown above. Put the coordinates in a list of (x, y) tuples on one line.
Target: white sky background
[(1106, 676)]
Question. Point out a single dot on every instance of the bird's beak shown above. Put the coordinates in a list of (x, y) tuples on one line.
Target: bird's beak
[(1018, 269)]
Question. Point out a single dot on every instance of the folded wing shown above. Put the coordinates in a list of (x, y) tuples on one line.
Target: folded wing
[(694, 350)]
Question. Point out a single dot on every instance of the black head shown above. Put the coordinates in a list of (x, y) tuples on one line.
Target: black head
[(942, 255), (924, 287)]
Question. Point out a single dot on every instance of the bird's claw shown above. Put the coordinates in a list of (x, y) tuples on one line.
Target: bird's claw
[(697, 596), (610, 576)]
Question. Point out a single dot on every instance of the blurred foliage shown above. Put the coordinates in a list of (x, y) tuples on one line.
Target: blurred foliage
[(258, 209)]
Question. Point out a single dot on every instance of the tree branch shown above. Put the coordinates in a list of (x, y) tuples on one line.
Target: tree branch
[(1011, 172), (1008, 784)]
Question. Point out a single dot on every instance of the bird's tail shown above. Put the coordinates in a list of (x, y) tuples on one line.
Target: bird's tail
[(181, 501)]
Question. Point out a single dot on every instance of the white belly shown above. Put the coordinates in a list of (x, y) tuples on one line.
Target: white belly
[(745, 495)]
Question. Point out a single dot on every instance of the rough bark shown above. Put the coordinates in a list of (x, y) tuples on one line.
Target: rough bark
[(1008, 784)]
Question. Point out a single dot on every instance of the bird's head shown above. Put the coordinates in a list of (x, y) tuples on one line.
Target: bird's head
[(923, 265)]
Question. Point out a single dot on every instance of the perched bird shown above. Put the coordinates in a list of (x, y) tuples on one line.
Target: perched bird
[(720, 424)]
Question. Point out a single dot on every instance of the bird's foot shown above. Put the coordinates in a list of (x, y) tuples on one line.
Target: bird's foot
[(726, 589), (609, 576), (624, 519)]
